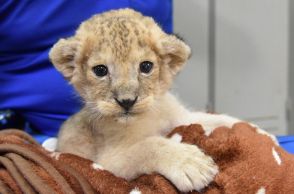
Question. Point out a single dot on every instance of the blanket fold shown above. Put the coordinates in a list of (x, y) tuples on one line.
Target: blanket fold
[(249, 162)]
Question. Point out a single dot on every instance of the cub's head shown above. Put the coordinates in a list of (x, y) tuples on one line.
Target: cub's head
[(120, 62)]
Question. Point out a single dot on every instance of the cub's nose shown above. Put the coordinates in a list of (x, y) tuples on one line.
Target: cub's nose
[(126, 103)]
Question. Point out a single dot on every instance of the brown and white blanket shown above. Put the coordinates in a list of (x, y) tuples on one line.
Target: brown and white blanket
[(249, 162)]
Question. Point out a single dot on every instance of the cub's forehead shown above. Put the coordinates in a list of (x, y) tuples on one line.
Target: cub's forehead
[(122, 34), (113, 53), (117, 37)]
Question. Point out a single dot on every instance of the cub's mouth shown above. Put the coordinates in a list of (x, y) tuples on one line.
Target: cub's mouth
[(125, 117), (129, 113)]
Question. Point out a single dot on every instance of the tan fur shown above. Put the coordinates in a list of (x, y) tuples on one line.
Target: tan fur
[(132, 144)]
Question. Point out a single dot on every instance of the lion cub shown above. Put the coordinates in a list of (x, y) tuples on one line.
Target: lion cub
[(122, 64)]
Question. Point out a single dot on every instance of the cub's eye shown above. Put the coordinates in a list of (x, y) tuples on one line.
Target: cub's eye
[(146, 66), (100, 70)]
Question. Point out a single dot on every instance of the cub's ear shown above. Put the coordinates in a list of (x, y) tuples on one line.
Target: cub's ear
[(62, 56), (174, 52)]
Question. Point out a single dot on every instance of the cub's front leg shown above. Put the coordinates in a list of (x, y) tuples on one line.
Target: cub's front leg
[(75, 137), (186, 166)]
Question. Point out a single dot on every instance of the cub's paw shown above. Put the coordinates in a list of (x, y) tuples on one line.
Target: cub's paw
[(189, 168)]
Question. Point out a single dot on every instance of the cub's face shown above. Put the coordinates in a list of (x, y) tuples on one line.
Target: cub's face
[(120, 62), (120, 80)]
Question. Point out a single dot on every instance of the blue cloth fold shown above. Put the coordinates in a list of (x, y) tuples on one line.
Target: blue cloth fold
[(287, 142)]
